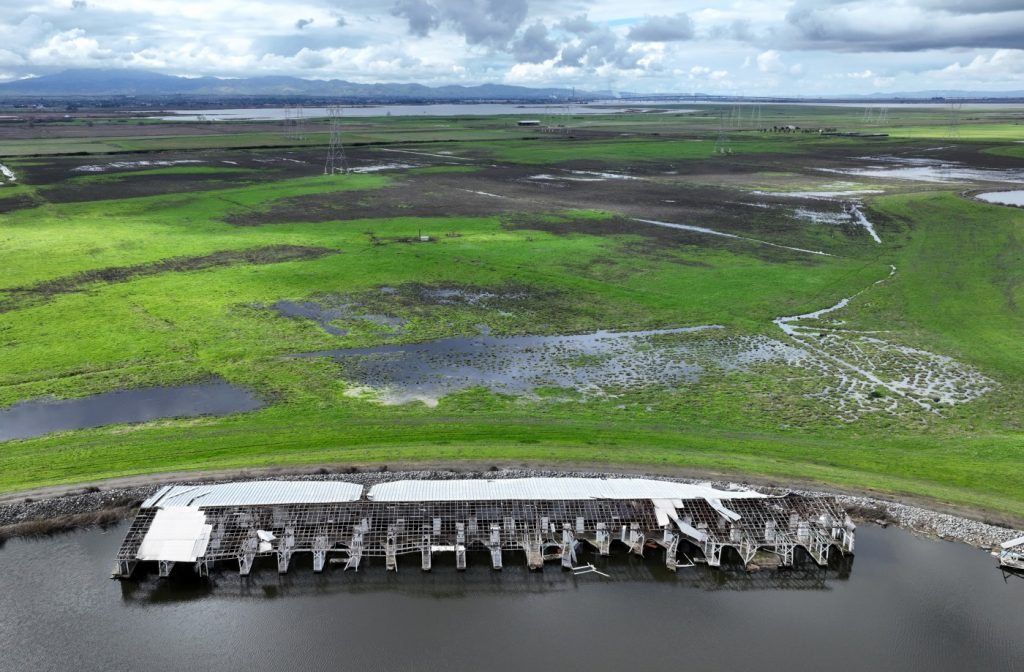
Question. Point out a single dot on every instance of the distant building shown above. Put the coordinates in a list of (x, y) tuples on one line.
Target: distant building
[(528, 122)]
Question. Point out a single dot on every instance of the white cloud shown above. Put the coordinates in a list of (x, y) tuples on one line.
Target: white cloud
[(770, 61), (755, 46)]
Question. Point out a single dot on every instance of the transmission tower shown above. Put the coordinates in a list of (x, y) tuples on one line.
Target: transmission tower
[(953, 129), (336, 162), (300, 124), (287, 122), (722, 144)]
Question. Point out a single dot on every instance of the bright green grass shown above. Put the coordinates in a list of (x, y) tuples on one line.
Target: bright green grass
[(557, 150), (957, 291)]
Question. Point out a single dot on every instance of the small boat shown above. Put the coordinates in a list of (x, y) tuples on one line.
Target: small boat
[(1011, 554)]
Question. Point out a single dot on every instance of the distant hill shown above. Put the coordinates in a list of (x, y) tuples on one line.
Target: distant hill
[(141, 83)]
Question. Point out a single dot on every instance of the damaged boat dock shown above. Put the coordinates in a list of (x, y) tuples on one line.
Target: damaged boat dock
[(545, 519)]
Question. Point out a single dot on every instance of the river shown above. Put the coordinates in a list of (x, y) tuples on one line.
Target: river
[(905, 603), (526, 110)]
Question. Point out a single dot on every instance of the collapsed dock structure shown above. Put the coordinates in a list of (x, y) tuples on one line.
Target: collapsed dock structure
[(545, 519)]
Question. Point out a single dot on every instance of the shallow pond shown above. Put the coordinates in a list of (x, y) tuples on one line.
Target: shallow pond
[(588, 363), (903, 604), (42, 416), (1004, 197)]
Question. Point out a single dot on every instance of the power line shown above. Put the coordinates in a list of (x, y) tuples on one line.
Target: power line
[(336, 161)]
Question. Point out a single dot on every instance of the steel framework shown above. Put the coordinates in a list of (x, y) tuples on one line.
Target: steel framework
[(336, 161), (544, 530)]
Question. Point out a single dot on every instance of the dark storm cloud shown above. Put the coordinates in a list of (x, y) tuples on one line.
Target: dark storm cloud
[(302, 23), (534, 45), (976, 7), (490, 22), (421, 15), (79, 4), (578, 24), (594, 45), (874, 26), (663, 29)]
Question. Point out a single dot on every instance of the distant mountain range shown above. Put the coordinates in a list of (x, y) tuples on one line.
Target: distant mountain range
[(141, 83)]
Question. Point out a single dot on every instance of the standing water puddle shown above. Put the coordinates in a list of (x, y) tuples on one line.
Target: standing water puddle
[(42, 416), (929, 170), (1003, 197), (589, 363)]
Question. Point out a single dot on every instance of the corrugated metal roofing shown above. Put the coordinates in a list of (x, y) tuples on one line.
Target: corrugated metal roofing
[(545, 488), (177, 534), (255, 493)]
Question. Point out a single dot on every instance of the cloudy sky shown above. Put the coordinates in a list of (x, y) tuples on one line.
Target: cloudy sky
[(748, 47)]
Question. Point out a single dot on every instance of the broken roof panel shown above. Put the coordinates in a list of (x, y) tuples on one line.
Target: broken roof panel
[(546, 489), (255, 493)]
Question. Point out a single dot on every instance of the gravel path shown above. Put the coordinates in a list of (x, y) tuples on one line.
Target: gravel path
[(30, 514)]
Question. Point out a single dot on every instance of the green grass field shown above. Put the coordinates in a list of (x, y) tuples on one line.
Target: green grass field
[(72, 324)]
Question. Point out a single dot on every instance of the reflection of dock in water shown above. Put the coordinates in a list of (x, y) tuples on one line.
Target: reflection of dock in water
[(445, 583)]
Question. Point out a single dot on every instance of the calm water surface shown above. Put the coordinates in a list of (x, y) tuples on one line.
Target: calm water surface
[(904, 604), (42, 416), (1004, 197), (428, 110)]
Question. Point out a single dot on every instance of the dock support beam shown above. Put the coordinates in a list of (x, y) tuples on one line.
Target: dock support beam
[(532, 545), (604, 539), (460, 546), (425, 551), (568, 547), (495, 546), (355, 548), (319, 553), (636, 539), (391, 549), (124, 568), (671, 543), (164, 568)]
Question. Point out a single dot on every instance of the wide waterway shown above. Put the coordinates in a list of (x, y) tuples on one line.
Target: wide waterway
[(427, 110), (904, 603)]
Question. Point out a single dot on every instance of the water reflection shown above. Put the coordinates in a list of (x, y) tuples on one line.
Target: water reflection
[(912, 604), (42, 416), (445, 582)]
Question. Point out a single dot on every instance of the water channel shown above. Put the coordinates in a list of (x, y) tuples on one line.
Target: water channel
[(905, 603)]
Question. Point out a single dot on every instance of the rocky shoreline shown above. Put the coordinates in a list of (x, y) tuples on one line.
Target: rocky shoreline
[(95, 506)]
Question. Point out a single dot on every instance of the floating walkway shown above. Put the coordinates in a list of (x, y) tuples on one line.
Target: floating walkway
[(544, 518)]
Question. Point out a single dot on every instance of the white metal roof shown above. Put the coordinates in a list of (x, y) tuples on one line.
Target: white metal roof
[(177, 534), (1019, 541), (546, 488), (255, 493)]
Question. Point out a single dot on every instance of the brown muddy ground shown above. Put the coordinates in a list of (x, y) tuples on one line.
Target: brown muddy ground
[(41, 292), (519, 194)]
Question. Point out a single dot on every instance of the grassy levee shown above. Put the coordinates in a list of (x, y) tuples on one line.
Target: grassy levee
[(157, 290)]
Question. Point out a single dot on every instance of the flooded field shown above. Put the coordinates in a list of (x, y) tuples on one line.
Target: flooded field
[(588, 363), (42, 416), (903, 603), (856, 372), (929, 170), (865, 372)]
